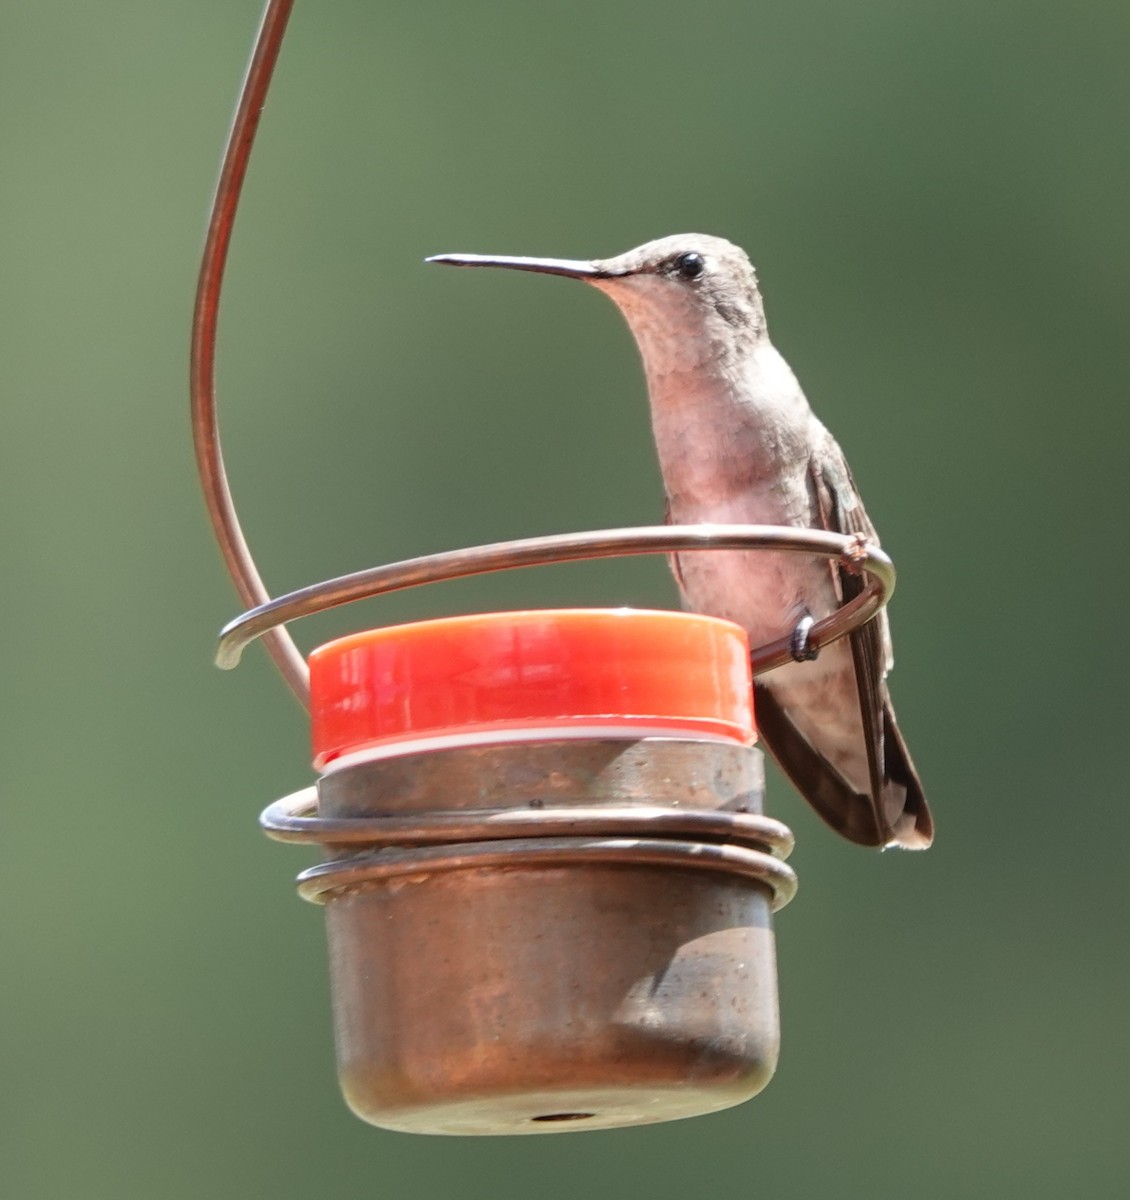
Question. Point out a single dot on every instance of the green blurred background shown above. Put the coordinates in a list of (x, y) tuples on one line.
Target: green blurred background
[(936, 195)]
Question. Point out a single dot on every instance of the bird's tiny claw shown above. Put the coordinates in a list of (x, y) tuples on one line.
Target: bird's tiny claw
[(857, 554), (802, 651)]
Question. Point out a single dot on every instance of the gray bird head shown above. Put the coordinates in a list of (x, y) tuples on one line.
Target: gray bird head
[(689, 299)]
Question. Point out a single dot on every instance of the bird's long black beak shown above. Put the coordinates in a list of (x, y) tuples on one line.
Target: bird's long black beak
[(573, 268)]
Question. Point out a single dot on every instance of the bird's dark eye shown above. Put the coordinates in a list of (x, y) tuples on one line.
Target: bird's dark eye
[(688, 265)]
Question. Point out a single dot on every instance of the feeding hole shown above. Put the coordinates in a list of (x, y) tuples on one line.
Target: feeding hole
[(564, 1117)]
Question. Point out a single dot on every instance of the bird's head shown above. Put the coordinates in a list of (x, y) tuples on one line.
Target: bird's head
[(690, 300)]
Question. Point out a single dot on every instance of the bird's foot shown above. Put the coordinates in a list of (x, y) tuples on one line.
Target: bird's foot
[(856, 555), (799, 644)]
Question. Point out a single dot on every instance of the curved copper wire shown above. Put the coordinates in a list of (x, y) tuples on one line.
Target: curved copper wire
[(295, 819), (205, 428), (568, 547), (318, 883), (266, 617)]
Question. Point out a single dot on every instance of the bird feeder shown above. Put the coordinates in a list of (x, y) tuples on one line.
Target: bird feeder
[(547, 874)]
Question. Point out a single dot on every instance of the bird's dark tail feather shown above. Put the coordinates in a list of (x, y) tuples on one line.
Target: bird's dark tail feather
[(904, 805), (898, 817)]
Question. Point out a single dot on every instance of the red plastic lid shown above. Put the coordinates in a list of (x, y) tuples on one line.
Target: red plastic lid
[(567, 672)]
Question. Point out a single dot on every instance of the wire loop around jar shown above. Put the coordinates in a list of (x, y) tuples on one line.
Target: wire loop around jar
[(570, 547)]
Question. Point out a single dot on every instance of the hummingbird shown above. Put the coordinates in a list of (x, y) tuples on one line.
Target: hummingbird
[(738, 444)]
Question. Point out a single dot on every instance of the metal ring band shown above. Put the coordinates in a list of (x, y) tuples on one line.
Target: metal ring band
[(293, 819), (318, 883)]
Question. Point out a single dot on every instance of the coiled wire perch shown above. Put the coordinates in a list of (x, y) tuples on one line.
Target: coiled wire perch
[(266, 618)]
